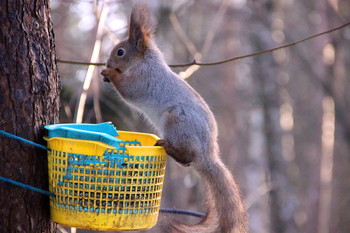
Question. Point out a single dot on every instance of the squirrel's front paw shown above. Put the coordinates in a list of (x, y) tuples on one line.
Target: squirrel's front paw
[(110, 74), (105, 75)]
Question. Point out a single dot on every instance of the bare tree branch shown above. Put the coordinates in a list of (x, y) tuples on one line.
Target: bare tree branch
[(91, 69), (208, 41), (194, 62), (182, 35), (81, 63), (214, 27)]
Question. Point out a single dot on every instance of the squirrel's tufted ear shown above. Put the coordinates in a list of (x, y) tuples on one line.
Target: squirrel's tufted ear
[(141, 27)]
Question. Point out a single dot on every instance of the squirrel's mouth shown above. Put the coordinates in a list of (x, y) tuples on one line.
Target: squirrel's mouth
[(116, 69), (106, 73)]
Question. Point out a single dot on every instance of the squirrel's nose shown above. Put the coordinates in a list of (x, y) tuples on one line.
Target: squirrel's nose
[(110, 63)]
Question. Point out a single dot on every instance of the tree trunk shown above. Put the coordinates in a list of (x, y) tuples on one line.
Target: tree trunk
[(281, 197), (29, 99)]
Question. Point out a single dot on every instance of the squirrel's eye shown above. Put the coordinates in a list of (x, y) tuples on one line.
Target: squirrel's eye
[(120, 52)]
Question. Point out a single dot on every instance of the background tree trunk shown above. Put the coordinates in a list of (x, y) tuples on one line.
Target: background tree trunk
[(282, 201), (29, 99)]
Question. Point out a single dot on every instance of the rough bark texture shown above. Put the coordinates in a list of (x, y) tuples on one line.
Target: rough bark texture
[(29, 99)]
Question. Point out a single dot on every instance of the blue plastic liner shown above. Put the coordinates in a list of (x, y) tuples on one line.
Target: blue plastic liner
[(104, 132)]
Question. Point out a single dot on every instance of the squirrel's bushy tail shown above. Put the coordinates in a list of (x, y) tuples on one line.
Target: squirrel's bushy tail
[(225, 208)]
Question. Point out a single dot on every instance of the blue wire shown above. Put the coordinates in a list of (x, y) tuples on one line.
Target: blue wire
[(10, 181), (172, 211), (27, 186), (183, 212), (23, 140), (18, 183)]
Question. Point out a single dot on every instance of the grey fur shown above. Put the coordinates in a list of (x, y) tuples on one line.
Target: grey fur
[(186, 124)]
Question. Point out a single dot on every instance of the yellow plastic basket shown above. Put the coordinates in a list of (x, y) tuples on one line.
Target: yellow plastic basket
[(95, 192)]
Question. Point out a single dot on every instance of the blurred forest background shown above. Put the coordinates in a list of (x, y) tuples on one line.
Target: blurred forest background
[(284, 122)]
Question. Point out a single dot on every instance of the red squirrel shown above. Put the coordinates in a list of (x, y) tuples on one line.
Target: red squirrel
[(140, 75)]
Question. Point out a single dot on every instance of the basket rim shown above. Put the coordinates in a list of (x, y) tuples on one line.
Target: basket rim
[(79, 140)]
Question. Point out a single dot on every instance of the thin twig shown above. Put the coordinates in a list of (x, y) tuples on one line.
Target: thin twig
[(94, 56), (81, 63), (194, 62), (215, 25), (182, 35), (188, 43), (208, 41)]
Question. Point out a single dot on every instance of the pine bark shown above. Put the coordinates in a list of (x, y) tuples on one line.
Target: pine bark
[(29, 99)]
